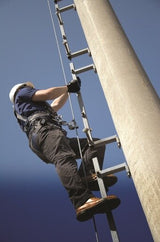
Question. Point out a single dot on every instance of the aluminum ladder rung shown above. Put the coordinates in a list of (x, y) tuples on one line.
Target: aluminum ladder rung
[(63, 9), (114, 169), (108, 140), (83, 69), (79, 52)]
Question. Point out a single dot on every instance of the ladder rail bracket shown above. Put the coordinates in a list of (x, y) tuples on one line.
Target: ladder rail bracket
[(114, 169), (108, 140), (68, 7), (78, 53), (84, 69), (103, 141)]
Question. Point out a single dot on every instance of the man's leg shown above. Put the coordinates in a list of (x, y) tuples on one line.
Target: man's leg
[(86, 169), (54, 147), (88, 153)]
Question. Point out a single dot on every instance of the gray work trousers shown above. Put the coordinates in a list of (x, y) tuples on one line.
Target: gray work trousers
[(50, 143)]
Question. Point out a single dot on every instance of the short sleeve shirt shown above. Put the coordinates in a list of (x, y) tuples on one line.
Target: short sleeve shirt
[(24, 105)]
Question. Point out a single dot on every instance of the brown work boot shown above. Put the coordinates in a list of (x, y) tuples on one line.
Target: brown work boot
[(109, 180), (96, 205)]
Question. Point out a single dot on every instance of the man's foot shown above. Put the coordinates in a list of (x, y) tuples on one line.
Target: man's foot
[(96, 205), (109, 180)]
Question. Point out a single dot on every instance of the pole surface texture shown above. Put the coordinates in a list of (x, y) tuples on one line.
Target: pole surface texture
[(133, 103)]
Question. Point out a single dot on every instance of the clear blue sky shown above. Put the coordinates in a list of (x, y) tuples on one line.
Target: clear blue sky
[(34, 206)]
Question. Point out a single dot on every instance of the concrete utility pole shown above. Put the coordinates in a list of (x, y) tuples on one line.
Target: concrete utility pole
[(134, 104)]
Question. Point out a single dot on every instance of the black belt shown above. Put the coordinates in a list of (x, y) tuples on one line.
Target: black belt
[(38, 116), (37, 120)]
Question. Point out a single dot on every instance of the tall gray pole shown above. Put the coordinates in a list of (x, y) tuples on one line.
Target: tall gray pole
[(134, 104)]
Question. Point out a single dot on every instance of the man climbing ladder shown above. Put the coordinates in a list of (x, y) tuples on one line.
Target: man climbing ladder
[(48, 140)]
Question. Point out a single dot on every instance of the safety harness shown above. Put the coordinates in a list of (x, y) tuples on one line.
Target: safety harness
[(43, 117)]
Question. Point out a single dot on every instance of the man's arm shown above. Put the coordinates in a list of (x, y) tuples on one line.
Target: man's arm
[(49, 94), (59, 94), (59, 102)]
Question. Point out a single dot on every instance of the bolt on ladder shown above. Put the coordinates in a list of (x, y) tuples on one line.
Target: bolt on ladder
[(87, 129)]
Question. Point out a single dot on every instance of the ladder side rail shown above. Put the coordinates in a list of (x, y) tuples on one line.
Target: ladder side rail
[(99, 179), (112, 226), (110, 219), (62, 30), (87, 128)]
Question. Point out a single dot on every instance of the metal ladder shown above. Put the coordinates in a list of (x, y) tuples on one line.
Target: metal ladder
[(87, 129)]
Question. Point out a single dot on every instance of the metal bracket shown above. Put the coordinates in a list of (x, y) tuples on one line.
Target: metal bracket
[(78, 53), (63, 9), (83, 69), (114, 169), (108, 140), (72, 125)]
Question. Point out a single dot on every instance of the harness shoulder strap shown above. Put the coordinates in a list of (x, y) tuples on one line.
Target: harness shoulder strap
[(20, 117), (22, 121)]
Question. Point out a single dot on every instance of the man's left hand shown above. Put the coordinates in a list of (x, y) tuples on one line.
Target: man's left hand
[(74, 85)]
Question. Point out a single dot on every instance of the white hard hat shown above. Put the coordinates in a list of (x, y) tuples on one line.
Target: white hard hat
[(16, 87)]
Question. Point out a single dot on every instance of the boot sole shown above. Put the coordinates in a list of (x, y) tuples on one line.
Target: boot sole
[(103, 206)]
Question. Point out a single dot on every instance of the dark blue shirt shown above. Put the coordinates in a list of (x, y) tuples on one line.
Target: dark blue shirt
[(25, 106)]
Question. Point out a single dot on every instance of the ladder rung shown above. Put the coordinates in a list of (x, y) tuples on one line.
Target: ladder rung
[(108, 140), (80, 52), (114, 169), (63, 9), (83, 69)]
